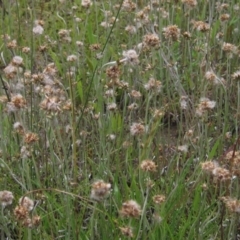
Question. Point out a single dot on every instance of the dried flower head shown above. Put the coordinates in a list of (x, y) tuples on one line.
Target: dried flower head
[(21, 213), (171, 33), (190, 3), (233, 205), (113, 72), (10, 71), (131, 29), (148, 166), (30, 138), (205, 105), (213, 78), (86, 3), (128, 6), (153, 85), (136, 94), (137, 129), (230, 49), (236, 75), (151, 41), (201, 26), (17, 61), (100, 190), (130, 209), (6, 198), (27, 203), (130, 56), (159, 199), (208, 166), (221, 174), (224, 17), (127, 231), (18, 127)]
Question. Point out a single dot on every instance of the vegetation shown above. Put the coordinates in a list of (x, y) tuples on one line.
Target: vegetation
[(119, 119)]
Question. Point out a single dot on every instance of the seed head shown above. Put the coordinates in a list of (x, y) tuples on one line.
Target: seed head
[(158, 199), (6, 198), (137, 129), (27, 203), (130, 209), (130, 56), (148, 166), (100, 190), (127, 231), (30, 138), (171, 33)]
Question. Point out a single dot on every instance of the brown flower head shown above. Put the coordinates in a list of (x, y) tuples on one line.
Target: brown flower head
[(171, 33), (158, 199), (148, 166), (30, 138), (137, 129), (233, 205), (127, 231), (130, 209), (27, 203), (100, 190), (6, 198)]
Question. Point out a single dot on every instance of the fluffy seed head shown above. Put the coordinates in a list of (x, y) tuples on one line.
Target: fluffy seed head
[(130, 209), (148, 166), (100, 190), (6, 198)]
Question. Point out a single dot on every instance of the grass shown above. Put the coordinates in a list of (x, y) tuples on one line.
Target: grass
[(70, 96)]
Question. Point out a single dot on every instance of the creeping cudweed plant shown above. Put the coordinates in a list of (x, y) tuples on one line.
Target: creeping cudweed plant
[(119, 119)]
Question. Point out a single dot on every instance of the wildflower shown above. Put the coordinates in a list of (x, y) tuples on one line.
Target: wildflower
[(230, 49), (204, 105), (171, 33), (221, 174), (130, 209), (100, 190), (187, 35), (112, 106), (148, 166), (154, 85), (12, 44), (224, 17), (130, 56), (17, 61), (18, 127), (212, 77), (137, 129), (131, 29), (158, 199), (133, 106), (10, 71), (72, 58), (183, 102), (6, 198), (26, 49), (27, 203), (64, 34), (183, 148), (38, 30), (86, 3), (113, 72), (209, 166), (21, 213), (201, 26), (236, 75), (151, 41), (95, 47), (30, 138), (79, 43), (136, 94), (190, 3), (51, 104), (25, 152), (128, 6), (127, 231), (233, 205)]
